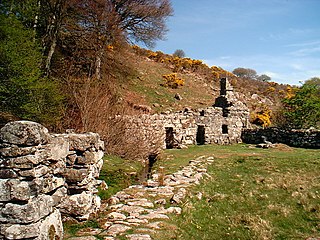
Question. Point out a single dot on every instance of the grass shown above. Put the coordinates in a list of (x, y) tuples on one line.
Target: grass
[(195, 93), (118, 173), (254, 194)]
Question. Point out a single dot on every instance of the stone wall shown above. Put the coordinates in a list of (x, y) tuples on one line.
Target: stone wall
[(295, 138), (44, 176), (220, 124)]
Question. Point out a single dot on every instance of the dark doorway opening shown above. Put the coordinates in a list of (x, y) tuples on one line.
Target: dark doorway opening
[(201, 132), (169, 138), (224, 129), (202, 113)]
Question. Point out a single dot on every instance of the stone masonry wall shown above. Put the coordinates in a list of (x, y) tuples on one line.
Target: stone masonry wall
[(220, 124), (295, 138), (45, 175), (186, 126)]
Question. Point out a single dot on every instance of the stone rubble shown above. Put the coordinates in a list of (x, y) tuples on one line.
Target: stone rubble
[(138, 211)]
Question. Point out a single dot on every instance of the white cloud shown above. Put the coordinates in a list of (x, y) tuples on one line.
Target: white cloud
[(282, 69)]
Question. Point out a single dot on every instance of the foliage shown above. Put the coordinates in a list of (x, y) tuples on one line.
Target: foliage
[(264, 78), (179, 53), (302, 110), (245, 73), (172, 81), (251, 194), (261, 115), (23, 91)]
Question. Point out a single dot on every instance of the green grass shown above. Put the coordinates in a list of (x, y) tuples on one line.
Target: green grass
[(253, 194), (118, 173)]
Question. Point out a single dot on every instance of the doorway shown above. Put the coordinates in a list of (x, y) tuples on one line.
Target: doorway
[(201, 132), (169, 138)]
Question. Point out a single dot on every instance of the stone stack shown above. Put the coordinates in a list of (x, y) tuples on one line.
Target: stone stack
[(42, 175)]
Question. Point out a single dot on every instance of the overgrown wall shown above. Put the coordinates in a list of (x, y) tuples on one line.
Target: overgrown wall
[(295, 138), (44, 176)]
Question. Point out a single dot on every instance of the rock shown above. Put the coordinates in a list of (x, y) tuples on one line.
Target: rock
[(161, 201), (174, 210), (113, 200), (58, 148), (4, 190), (83, 142), (51, 227), (138, 237), (36, 209), (83, 238), (91, 157), (23, 162), (179, 196), (141, 202), (7, 174), (75, 175), (24, 133), (15, 151), (36, 172), (20, 190), (116, 216), (134, 210), (156, 105), (80, 205), (153, 216), (116, 229), (178, 96), (154, 225)]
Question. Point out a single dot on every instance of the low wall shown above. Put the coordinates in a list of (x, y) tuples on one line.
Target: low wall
[(295, 138), (44, 176)]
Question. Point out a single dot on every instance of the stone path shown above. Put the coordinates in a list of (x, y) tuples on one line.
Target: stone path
[(141, 210)]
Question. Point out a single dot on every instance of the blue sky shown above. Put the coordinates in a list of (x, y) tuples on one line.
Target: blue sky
[(280, 38)]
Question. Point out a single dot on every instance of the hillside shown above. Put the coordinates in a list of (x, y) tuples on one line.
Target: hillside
[(201, 84)]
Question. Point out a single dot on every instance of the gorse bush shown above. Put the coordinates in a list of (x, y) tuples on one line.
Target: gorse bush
[(261, 116), (172, 81)]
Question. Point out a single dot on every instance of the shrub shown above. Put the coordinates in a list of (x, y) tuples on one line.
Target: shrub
[(172, 81), (261, 116)]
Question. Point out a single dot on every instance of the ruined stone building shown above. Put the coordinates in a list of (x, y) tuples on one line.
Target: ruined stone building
[(220, 124)]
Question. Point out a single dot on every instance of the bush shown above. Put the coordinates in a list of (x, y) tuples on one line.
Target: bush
[(172, 80)]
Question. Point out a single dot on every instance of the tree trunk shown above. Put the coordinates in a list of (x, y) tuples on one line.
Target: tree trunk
[(50, 54), (98, 64)]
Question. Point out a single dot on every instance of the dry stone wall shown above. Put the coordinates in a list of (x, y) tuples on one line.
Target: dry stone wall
[(220, 124), (45, 176), (295, 138)]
